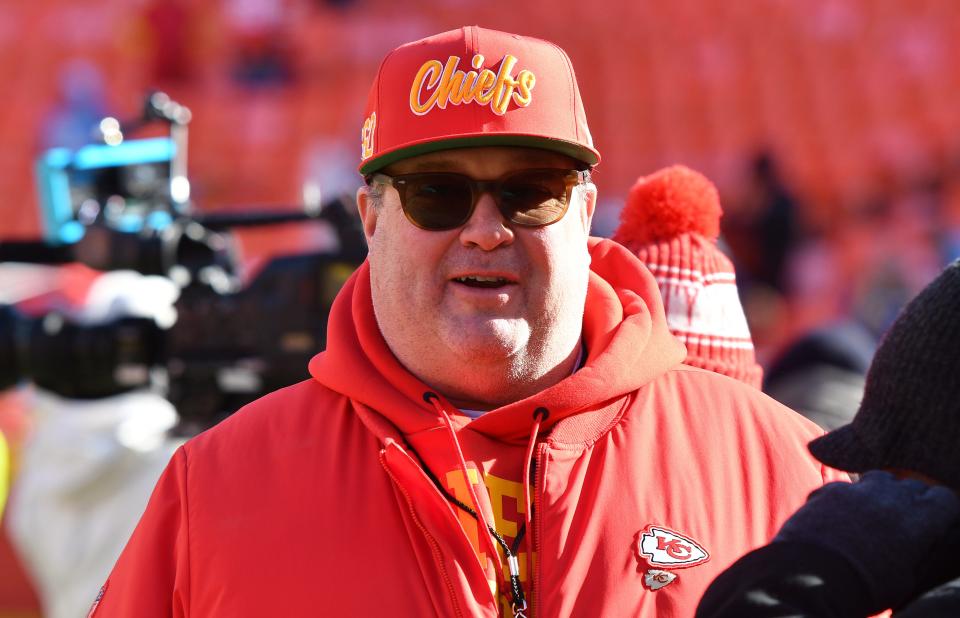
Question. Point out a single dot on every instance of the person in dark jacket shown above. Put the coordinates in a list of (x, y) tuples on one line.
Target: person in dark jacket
[(892, 539)]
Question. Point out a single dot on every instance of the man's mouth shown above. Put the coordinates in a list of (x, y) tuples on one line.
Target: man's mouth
[(477, 281)]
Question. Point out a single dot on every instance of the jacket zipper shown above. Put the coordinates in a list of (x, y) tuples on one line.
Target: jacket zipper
[(434, 546), (537, 528)]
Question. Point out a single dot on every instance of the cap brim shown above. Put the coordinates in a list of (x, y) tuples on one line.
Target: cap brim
[(574, 150), (843, 449)]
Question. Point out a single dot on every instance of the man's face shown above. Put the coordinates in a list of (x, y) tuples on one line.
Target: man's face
[(455, 332)]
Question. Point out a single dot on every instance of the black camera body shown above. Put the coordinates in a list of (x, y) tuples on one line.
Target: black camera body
[(230, 343), (227, 349)]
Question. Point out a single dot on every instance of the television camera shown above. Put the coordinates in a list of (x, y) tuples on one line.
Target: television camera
[(125, 204)]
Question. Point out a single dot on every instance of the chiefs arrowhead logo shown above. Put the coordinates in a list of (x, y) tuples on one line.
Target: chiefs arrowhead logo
[(655, 579), (662, 547)]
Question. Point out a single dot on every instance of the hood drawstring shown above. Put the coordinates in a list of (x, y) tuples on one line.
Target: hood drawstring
[(517, 597), (539, 415)]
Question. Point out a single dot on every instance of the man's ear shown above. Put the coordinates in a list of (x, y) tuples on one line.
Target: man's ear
[(368, 212)]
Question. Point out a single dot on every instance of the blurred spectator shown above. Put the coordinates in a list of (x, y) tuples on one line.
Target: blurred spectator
[(337, 4), (822, 374), (329, 168), (86, 471), (4, 472), (73, 120), (776, 226), (261, 52), (169, 24), (671, 221), (951, 217), (87, 467), (891, 540), (765, 230), (858, 272), (914, 235)]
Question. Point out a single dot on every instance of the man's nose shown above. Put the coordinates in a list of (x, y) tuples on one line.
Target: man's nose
[(486, 228)]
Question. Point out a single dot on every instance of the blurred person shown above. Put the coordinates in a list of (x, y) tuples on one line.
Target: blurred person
[(168, 22), (671, 221), (501, 418), (891, 540), (336, 4), (950, 214), (87, 466), (822, 373), (763, 234), (81, 105), (4, 472), (261, 45), (847, 287), (328, 169), (776, 226), (849, 272), (913, 236)]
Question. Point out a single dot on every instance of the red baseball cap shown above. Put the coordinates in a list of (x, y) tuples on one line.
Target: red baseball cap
[(474, 87)]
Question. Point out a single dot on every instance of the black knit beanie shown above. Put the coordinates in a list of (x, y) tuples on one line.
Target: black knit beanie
[(910, 414)]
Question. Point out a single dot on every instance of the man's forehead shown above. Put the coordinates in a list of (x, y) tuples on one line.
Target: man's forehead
[(480, 159)]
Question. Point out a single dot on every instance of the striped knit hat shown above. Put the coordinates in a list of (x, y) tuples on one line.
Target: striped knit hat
[(672, 221)]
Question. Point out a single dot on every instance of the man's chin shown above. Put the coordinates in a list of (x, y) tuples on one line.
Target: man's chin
[(487, 339)]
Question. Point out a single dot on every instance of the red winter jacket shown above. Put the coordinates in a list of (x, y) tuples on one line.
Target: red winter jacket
[(337, 496)]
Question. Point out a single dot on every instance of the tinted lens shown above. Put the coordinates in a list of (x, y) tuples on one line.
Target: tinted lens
[(436, 201), (534, 197)]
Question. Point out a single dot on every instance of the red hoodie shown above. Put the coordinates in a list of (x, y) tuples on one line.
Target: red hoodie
[(336, 496)]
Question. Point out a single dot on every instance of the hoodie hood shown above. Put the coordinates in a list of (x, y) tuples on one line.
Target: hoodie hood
[(624, 329)]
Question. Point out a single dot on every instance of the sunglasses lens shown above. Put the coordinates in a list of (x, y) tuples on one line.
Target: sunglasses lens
[(534, 197), (437, 201), (444, 201)]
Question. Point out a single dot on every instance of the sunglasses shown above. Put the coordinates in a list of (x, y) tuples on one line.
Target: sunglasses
[(438, 201)]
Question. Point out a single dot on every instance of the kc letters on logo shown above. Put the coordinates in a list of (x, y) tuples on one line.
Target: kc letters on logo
[(662, 547), (655, 579)]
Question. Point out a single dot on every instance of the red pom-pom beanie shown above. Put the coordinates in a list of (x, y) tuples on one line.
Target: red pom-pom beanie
[(671, 222)]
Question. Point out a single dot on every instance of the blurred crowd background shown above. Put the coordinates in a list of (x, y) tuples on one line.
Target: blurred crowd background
[(830, 127)]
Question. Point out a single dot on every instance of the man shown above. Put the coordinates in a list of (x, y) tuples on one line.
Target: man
[(4, 471), (500, 423)]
